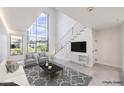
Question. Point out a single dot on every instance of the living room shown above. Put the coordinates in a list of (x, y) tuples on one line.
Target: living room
[(84, 48)]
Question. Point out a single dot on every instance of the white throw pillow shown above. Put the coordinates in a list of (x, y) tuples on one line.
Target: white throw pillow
[(3, 71), (12, 67)]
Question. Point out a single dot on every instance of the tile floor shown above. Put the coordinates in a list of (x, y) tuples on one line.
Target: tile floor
[(102, 75)]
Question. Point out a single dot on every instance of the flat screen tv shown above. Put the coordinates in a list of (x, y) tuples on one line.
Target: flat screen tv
[(79, 47)]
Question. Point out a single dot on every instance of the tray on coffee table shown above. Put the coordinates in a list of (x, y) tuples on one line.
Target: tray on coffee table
[(54, 68)]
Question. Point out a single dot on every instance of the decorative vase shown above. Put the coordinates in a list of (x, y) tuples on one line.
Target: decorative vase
[(49, 67), (46, 64)]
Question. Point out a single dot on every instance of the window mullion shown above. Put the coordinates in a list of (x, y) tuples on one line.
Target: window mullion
[(36, 38)]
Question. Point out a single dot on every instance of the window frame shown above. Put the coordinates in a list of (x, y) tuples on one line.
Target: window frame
[(47, 39), (10, 44)]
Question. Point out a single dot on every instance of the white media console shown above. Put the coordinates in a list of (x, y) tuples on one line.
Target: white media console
[(83, 58)]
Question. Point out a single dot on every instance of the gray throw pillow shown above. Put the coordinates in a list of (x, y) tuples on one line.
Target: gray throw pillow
[(42, 54), (28, 56), (34, 55), (12, 67), (46, 54)]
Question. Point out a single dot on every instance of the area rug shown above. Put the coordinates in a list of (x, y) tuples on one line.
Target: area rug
[(37, 77)]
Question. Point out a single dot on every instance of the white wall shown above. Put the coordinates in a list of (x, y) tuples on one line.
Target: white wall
[(52, 28), (3, 42), (109, 45), (3, 46), (123, 54), (86, 36), (52, 31), (0, 48), (64, 24)]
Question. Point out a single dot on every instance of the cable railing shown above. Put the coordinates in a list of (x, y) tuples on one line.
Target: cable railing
[(72, 33), (68, 32)]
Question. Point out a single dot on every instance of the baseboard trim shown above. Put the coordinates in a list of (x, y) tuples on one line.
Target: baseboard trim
[(118, 68)]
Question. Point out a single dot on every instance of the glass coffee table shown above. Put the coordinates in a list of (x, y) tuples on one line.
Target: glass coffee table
[(51, 68)]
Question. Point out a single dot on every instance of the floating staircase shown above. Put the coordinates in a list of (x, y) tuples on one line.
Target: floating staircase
[(75, 31)]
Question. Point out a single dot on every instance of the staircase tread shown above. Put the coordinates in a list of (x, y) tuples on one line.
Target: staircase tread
[(74, 35)]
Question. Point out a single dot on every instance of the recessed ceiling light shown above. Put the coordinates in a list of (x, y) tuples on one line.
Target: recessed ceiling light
[(90, 9)]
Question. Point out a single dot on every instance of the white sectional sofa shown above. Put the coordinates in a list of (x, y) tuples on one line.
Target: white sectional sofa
[(17, 77)]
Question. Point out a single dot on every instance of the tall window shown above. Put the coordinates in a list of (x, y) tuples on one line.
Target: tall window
[(38, 34)]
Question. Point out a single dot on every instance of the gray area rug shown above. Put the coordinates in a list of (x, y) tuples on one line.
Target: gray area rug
[(37, 77)]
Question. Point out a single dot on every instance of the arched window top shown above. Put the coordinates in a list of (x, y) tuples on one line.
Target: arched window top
[(41, 20), (38, 34)]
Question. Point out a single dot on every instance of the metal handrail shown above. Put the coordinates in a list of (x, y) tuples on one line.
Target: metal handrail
[(70, 30)]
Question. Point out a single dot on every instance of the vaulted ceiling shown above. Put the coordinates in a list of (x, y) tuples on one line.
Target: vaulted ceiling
[(20, 18), (97, 18)]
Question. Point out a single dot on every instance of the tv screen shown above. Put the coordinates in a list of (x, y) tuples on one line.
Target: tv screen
[(78, 46)]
